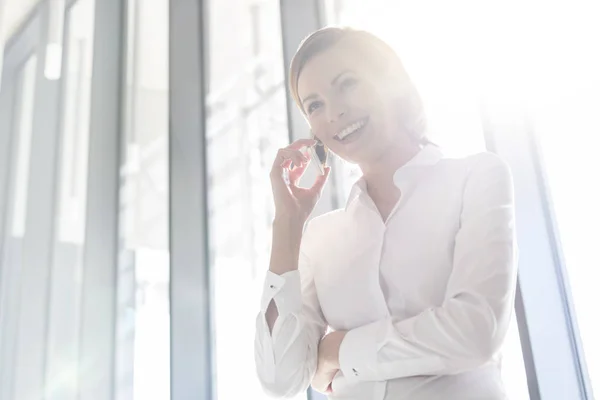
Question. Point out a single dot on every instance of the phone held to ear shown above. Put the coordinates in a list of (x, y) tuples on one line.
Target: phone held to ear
[(319, 154)]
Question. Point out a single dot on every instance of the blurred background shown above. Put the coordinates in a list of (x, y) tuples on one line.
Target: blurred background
[(136, 138)]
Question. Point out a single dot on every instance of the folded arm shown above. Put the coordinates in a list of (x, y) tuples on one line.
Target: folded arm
[(468, 329), (286, 357)]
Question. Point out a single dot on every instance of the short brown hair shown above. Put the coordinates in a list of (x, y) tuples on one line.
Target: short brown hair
[(382, 55)]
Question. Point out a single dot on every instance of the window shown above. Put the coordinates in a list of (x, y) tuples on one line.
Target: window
[(66, 266), (567, 125), (442, 69), (573, 176), (247, 122), (143, 322), (15, 223), (22, 130), (65, 295)]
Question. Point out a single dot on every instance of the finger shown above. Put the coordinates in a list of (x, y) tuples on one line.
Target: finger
[(281, 165), (295, 155), (300, 143), (317, 186), (277, 181), (290, 156), (297, 173), (283, 159), (279, 184)]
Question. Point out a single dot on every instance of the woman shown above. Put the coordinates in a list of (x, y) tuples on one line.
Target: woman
[(414, 278)]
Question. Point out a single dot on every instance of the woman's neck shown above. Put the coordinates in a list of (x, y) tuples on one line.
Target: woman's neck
[(379, 177), (379, 174)]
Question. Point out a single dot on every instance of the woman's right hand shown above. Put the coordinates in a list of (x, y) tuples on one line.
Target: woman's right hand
[(291, 200)]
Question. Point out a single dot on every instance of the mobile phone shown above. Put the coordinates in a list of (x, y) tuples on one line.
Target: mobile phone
[(319, 154)]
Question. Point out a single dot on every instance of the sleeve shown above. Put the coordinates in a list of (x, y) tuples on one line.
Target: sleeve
[(468, 329), (286, 361)]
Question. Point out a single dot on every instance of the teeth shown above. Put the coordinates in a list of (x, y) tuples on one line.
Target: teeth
[(350, 129)]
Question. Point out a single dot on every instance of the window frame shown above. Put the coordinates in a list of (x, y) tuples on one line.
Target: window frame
[(553, 357), (191, 292)]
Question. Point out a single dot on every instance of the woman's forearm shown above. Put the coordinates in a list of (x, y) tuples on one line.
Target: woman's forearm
[(285, 251)]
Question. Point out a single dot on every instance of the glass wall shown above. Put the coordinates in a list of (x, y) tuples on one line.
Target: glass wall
[(565, 103), (18, 185), (143, 335), (247, 123), (69, 237), (567, 135)]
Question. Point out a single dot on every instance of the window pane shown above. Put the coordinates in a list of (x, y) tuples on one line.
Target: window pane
[(22, 131), (568, 129), (66, 277), (143, 323), (247, 122), (15, 222), (442, 68)]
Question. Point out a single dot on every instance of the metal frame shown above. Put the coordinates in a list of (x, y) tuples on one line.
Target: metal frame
[(548, 330), (100, 263), (7, 111), (64, 295), (560, 267), (192, 362), (18, 51), (37, 241), (298, 20), (9, 278)]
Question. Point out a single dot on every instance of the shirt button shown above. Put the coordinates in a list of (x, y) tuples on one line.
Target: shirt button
[(272, 286)]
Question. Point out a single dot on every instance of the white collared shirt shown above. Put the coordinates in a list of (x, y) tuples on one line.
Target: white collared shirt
[(426, 296)]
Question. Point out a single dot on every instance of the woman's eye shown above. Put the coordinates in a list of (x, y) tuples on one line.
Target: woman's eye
[(313, 106), (348, 83)]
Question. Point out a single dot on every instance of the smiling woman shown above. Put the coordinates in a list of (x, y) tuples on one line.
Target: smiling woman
[(417, 299), (353, 75)]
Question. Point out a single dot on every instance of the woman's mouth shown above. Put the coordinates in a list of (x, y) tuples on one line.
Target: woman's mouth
[(352, 131)]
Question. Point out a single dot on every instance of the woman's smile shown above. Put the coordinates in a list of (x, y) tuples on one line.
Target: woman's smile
[(352, 132)]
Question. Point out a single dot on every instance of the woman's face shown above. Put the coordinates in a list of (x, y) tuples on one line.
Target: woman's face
[(350, 105)]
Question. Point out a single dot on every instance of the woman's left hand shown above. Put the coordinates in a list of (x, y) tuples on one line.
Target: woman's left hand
[(328, 364)]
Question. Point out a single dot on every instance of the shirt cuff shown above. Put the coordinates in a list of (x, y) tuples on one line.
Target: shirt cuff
[(362, 355), (284, 290), (358, 352)]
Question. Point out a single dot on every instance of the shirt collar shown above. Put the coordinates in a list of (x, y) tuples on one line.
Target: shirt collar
[(429, 155)]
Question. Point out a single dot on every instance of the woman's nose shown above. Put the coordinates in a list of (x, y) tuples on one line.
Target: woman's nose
[(336, 113)]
